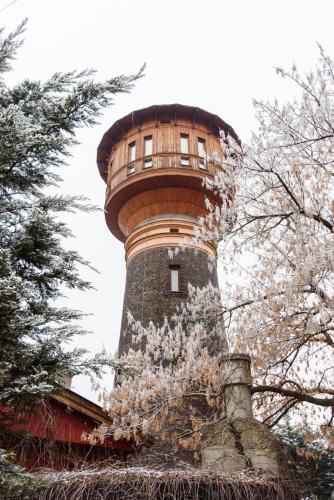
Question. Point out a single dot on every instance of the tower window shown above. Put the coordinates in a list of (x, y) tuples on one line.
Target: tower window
[(185, 161), (148, 163), (184, 140), (132, 169), (201, 152), (148, 145), (201, 147), (132, 151), (175, 278)]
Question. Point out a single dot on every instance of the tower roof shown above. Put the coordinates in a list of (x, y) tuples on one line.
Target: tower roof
[(159, 112)]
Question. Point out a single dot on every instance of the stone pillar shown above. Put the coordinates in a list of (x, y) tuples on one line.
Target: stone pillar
[(237, 382), (239, 442)]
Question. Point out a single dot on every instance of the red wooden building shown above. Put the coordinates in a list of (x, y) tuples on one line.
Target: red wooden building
[(53, 436)]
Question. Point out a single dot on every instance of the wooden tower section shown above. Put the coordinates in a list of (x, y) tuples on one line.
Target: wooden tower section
[(154, 163)]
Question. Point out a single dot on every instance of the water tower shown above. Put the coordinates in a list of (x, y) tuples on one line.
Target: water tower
[(154, 163)]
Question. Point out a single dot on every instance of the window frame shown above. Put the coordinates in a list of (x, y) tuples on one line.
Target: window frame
[(179, 280), (132, 147), (148, 139), (200, 140), (185, 161), (202, 164), (184, 137), (132, 169), (146, 161), (202, 158)]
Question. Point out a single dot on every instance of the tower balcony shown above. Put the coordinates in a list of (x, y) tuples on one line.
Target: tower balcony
[(146, 164), (166, 187), (154, 162)]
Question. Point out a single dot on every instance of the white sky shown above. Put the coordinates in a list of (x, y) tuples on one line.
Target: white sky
[(217, 55)]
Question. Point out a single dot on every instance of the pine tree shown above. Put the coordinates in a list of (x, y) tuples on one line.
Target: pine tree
[(310, 460), (38, 122)]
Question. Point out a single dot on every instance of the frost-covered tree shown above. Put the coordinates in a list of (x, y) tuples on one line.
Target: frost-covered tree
[(282, 245), (38, 123), (277, 244), (175, 382)]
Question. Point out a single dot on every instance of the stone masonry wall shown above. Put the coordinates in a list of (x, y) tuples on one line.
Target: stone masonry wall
[(147, 290)]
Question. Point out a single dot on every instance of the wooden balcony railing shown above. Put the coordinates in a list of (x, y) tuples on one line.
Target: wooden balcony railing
[(162, 161)]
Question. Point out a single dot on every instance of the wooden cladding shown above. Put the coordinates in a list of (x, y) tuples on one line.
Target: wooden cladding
[(157, 167), (166, 161), (161, 119), (164, 200), (164, 145)]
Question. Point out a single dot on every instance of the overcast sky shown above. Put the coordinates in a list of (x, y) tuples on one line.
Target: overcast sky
[(217, 55)]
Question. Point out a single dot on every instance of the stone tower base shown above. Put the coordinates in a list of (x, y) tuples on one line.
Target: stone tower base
[(241, 444)]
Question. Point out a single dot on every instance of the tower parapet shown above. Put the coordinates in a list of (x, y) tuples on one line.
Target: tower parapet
[(154, 162)]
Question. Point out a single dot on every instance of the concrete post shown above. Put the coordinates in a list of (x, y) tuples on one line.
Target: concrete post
[(237, 382)]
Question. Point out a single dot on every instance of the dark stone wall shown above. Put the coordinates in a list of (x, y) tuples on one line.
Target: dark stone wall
[(147, 291)]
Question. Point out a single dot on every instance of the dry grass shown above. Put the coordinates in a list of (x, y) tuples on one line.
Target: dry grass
[(140, 483)]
